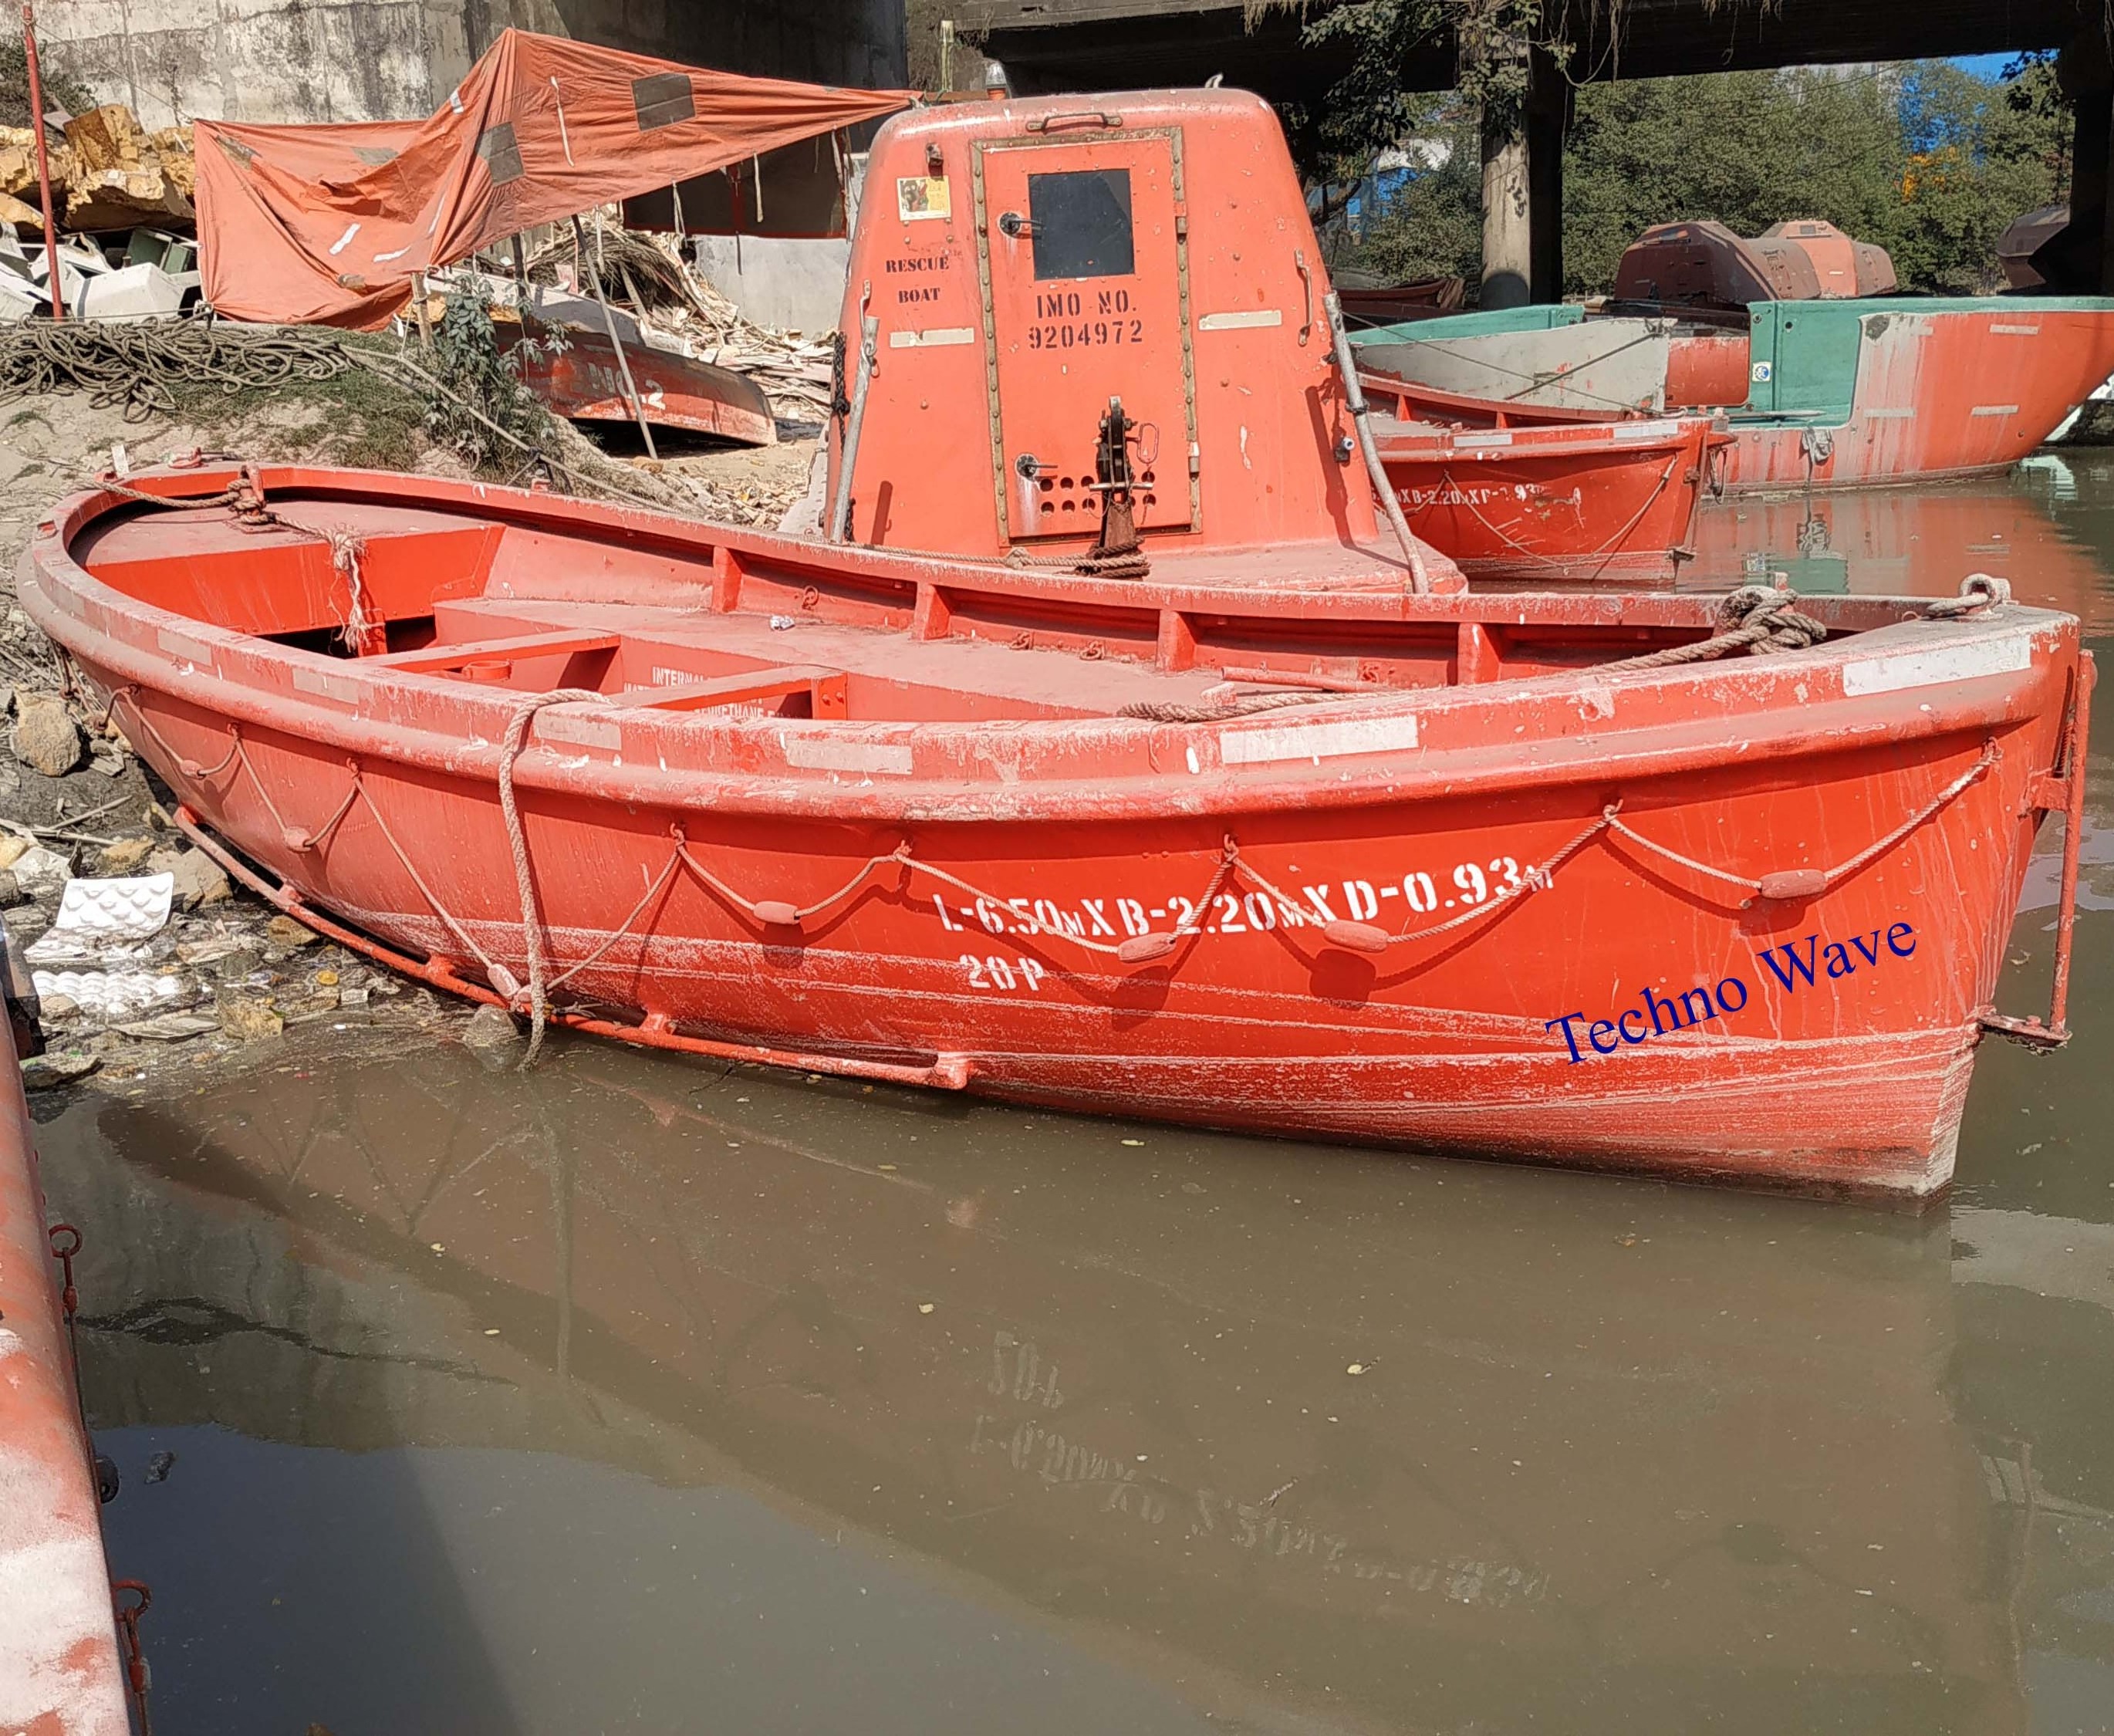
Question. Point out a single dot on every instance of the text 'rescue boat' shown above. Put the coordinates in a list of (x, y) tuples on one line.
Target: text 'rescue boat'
[(1223, 809)]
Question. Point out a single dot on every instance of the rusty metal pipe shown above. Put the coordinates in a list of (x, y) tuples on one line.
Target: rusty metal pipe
[(1420, 576), (2073, 829), (840, 509), (43, 159)]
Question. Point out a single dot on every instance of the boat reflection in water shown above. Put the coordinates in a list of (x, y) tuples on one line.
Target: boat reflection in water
[(835, 1407), (2023, 526)]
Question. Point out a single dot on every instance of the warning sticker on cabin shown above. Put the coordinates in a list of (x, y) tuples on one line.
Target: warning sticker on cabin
[(917, 197)]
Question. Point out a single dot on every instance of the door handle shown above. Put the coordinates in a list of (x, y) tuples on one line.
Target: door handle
[(1089, 118), (1012, 223)]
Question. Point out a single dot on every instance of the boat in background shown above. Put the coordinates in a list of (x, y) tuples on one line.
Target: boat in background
[(1826, 389), (1569, 500), (582, 380), (59, 1670)]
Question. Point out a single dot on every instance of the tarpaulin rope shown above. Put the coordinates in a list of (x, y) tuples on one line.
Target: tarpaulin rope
[(1979, 592), (1152, 711)]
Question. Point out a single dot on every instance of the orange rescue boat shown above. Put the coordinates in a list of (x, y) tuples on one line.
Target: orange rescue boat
[(1454, 872), (1563, 501), (1175, 788), (59, 1672)]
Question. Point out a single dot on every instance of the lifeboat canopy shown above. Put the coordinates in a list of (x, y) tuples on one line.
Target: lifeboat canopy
[(1705, 264)]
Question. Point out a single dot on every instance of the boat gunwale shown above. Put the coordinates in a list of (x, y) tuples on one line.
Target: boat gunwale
[(1414, 442), (976, 788)]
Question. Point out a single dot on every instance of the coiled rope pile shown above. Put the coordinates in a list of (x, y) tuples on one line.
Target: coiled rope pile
[(143, 365), (148, 365)]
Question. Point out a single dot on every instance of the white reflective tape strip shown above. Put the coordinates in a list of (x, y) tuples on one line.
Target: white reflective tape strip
[(2015, 331), (820, 754), (1646, 430), (345, 240), (564, 138), (1469, 442), (177, 644), (933, 340), (1994, 409), (327, 683), (1876, 415), (1890, 675), (1241, 321), (383, 258), (1317, 741), (582, 728)]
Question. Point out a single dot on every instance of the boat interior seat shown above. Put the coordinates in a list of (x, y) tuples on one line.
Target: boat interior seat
[(689, 660)]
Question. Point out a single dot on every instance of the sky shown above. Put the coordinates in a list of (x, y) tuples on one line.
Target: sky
[(1983, 66)]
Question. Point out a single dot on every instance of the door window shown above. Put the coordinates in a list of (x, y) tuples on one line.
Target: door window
[(1081, 219)]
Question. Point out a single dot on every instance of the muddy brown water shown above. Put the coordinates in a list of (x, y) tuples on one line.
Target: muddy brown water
[(638, 1395)]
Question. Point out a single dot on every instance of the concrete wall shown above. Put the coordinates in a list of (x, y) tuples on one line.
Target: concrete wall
[(797, 285), (374, 60), (831, 42)]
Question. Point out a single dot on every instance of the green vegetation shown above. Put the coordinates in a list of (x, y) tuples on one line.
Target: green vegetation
[(484, 393), (1926, 158), (61, 90)]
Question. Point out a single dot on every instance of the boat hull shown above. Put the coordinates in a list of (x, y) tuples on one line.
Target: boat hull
[(957, 880), (1611, 501), (58, 1652), (584, 383), (1937, 394), (1840, 393)]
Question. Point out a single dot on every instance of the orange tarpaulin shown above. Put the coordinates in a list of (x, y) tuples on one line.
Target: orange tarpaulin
[(327, 225)]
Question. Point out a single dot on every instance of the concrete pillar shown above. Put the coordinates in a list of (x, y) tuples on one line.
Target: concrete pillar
[(2079, 260), (1507, 253), (1548, 115)]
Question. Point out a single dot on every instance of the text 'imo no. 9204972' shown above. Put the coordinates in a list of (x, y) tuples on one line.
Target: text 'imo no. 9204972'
[(1791, 968)]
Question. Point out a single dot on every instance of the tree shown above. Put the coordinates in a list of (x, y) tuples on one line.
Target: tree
[(1926, 158), (1433, 227), (62, 90)]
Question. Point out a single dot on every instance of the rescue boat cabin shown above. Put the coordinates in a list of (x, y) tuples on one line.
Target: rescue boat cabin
[(1076, 300)]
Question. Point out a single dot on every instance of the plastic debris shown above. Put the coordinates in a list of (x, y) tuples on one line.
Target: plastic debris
[(109, 995), (170, 1026), (37, 870), (41, 1072), (97, 916)]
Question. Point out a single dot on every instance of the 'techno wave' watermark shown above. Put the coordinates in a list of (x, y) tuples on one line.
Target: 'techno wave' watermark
[(1656, 1015)]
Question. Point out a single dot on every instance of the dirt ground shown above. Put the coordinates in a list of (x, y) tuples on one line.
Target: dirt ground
[(229, 984)]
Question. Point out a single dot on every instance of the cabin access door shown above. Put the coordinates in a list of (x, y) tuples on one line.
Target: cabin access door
[(1083, 260)]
